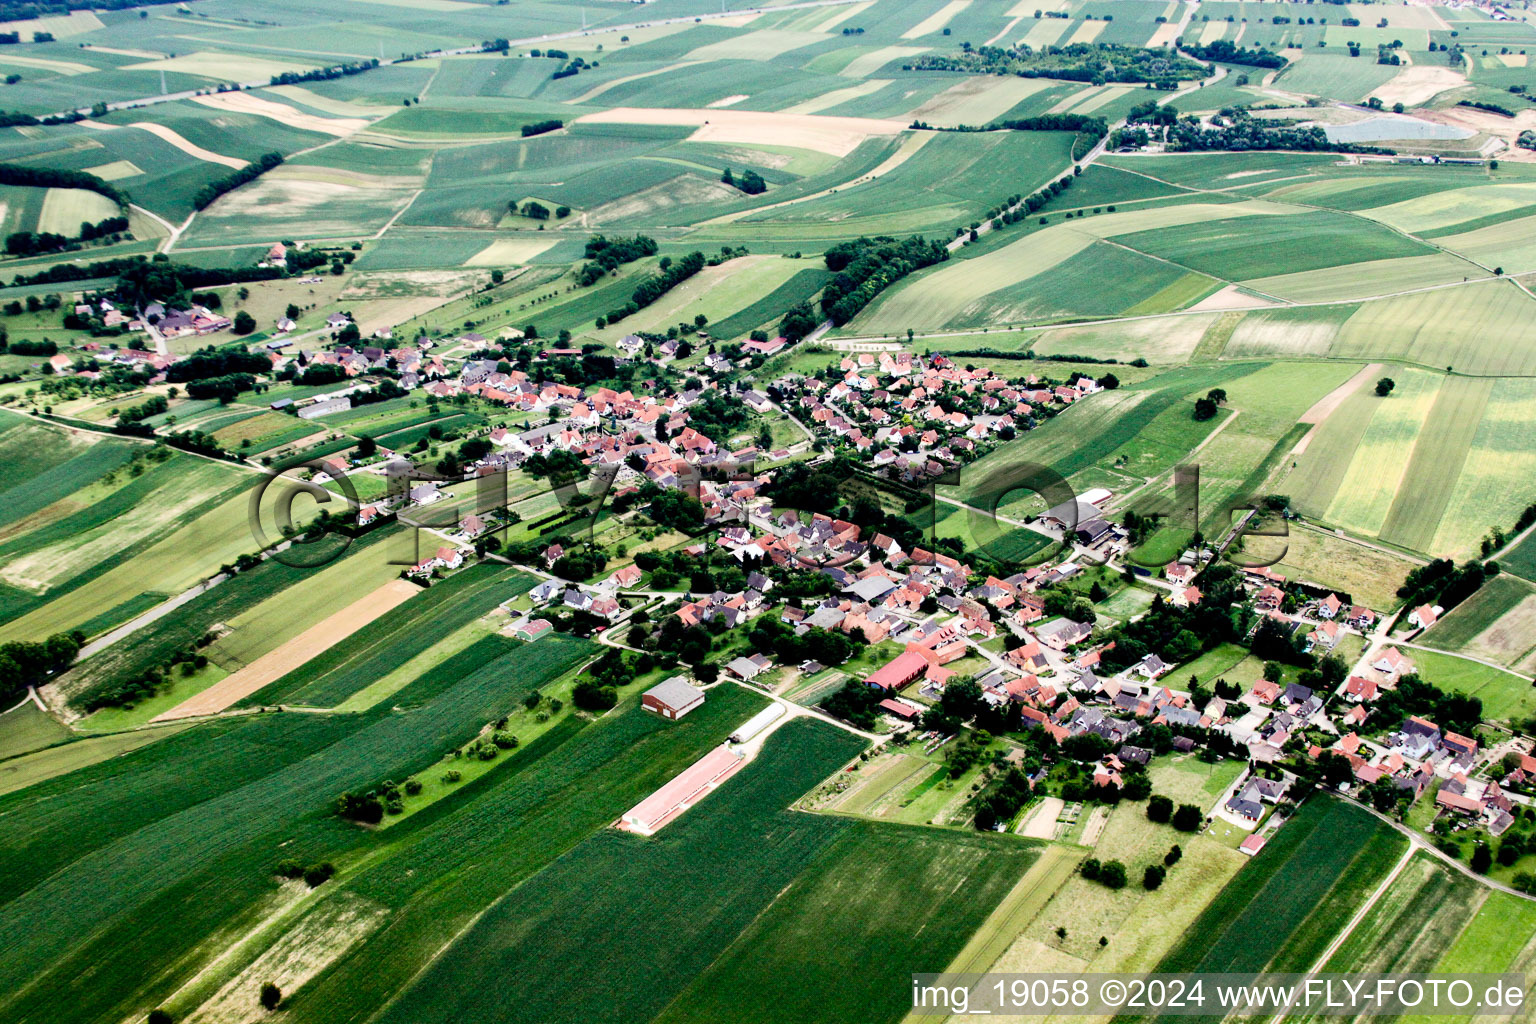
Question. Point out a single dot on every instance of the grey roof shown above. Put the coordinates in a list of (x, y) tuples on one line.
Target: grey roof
[(871, 588), (1073, 512), (676, 692)]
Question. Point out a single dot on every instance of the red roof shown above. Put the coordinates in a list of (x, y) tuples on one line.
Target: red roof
[(896, 707), (901, 670)]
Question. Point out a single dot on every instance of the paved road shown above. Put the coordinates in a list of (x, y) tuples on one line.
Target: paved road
[(156, 613)]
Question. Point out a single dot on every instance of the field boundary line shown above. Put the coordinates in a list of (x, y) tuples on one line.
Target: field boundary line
[(1464, 657), (1418, 842), (1354, 922), (315, 640)]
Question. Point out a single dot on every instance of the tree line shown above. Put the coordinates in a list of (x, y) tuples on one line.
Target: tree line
[(863, 268), (55, 177), (606, 254), (670, 274), (250, 172)]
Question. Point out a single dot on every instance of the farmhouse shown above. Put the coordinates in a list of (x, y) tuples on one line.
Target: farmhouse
[(672, 698)]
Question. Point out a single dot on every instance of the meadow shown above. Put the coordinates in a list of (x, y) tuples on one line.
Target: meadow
[(1492, 624)]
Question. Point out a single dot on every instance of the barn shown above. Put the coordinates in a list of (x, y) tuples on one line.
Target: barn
[(672, 698), (687, 788)]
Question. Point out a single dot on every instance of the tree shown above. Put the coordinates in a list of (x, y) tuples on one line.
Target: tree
[(1188, 818), (367, 447), (1335, 768), (1217, 395), (158, 1017), (244, 323), (1384, 386), (1482, 859), (1160, 809), (1112, 874), (591, 697), (1204, 409), (535, 211), (271, 995), (1153, 876), (1173, 856)]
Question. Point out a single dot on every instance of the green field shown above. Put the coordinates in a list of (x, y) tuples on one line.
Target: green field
[(1325, 862), (1505, 697), (1266, 290), (1433, 918)]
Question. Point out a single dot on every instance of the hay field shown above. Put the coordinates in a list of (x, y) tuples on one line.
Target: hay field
[(1493, 484), (762, 44), (1378, 461), (1507, 245), (976, 101), (837, 136), (937, 20), (45, 567), (1496, 624), (64, 209), (510, 251), (296, 652), (282, 113), (169, 135), (1368, 279), (1439, 211), (299, 203), (958, 290), (224, 66)]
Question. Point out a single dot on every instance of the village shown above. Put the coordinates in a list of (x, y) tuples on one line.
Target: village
[(928, 621)]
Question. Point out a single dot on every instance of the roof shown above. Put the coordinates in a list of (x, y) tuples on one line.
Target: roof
[(675, 692), (685, 789), (899, 670)]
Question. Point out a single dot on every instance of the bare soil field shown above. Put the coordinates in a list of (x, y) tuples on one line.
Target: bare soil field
[(245, 103), (835, 136), (313, 641)]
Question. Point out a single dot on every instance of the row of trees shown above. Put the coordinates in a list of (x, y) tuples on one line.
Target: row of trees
[(669, 275), (863, 268), (205, 196), (30, 243), (53, 177)]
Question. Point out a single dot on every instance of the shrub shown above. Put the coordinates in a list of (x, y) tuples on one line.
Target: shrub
[(1153, 876), (271, 995), (1112, 874), (319, 874)]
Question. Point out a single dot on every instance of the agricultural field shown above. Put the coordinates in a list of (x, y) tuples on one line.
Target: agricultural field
[(1492, 624), (1434, 918), (310, 750), (1326, 861)]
